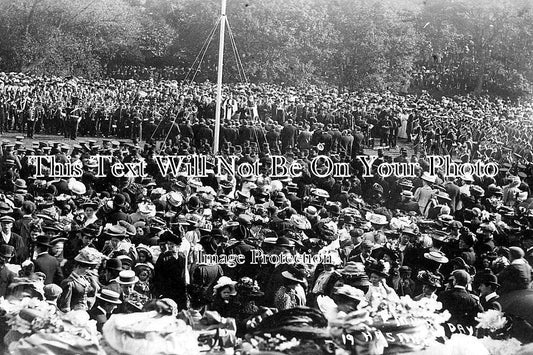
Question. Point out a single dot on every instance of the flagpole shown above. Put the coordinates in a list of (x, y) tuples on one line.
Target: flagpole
[(219, 78)]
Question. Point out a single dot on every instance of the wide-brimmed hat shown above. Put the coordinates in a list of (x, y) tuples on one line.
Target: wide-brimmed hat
[(109, 296), (169, 236), (378, 268), (293, 277), (285, 242), (428, 178), (300, 222), (467, 178), (127, 277), (225, 281), (130, 229), (88, 256), (436, 256), (377, 219), (320, 193), (115, 231), (350, 292), (89, 204), (446, 218), (56, 240), (144, 266)]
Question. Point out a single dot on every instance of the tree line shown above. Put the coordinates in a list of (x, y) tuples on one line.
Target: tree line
[(447, 46)]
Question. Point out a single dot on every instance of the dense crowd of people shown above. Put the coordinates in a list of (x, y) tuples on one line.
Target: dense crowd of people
[(463, 240)]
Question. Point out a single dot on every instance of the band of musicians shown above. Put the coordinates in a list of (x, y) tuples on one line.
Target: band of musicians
[(70, 120)]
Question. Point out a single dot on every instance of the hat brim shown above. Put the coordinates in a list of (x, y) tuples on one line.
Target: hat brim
[(133, 282), (57, 240), (443, 260), (85, 262), (108, 300), (42, 244), (288, 276), (378, 272)]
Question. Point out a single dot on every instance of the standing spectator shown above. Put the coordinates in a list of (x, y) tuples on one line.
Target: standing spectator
[(169, 279), (6, 275), (517, 275), (46, 263), (459, 302)]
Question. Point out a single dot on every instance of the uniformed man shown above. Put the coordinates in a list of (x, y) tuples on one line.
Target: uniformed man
[(74, 114)]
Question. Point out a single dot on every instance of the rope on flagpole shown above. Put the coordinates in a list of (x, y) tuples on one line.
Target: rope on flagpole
[(197, 63), (240, 67)]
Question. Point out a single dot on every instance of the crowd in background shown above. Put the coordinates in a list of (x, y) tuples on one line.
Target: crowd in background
[(464, 240)]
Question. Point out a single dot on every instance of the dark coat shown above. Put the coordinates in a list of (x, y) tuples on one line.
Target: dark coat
[(169, 279), (50, 266), (99, 315), (6, 278), (20, 249), (514, 277), (462, 306)]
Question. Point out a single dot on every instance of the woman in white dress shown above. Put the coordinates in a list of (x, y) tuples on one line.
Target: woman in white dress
[(402, 133)]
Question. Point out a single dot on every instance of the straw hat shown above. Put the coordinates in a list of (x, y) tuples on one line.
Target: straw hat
[(127, 277), (436, 256), (109, 296), (428, 178), (293, 277), (377, 219)]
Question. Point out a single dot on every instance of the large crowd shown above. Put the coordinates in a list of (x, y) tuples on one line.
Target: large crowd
[(465, 241)]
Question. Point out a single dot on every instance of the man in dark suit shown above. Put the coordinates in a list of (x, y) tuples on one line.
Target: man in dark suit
[(463, 306), (106, 302), (487, 292), (288, 136), (13, 239), (517, 275), (46, 263)]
